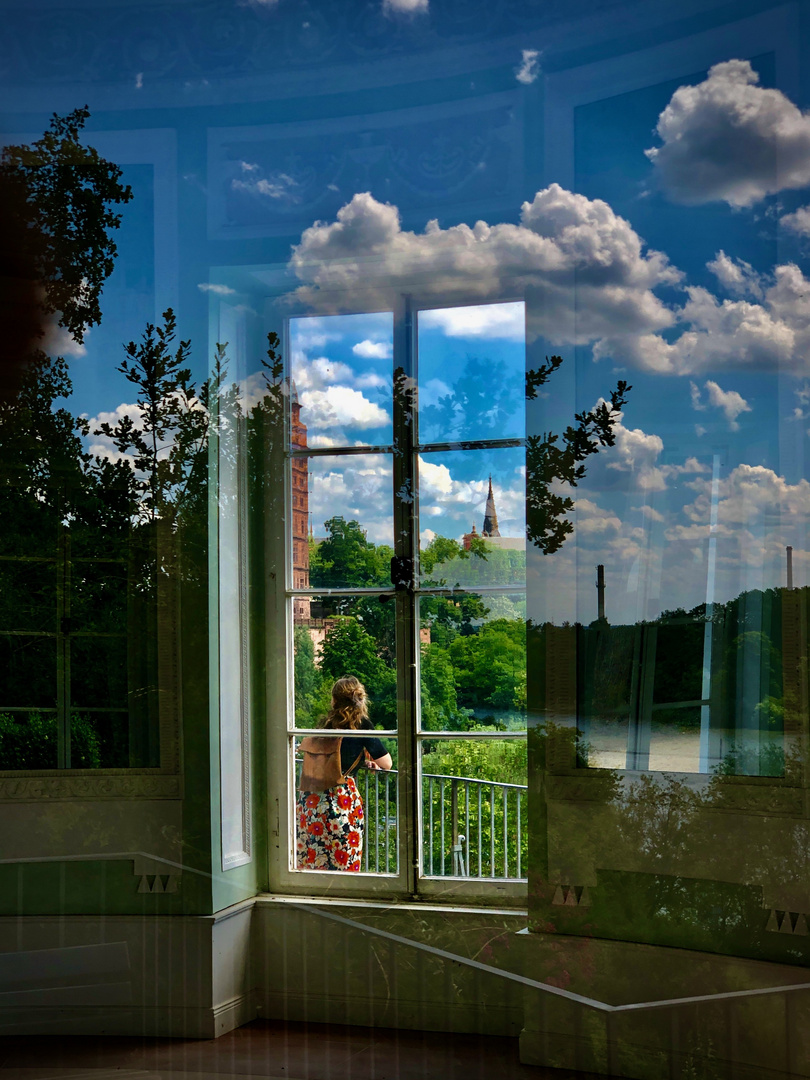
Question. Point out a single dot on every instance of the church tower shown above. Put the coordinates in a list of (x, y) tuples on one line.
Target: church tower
[(490, 527)]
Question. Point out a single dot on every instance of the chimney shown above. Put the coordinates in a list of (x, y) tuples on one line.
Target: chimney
[(789, 553), (600, 592)]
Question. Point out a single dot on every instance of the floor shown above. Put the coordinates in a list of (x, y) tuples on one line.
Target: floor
[(266, 1048)]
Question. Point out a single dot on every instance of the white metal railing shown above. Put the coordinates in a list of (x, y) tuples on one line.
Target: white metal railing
[(470, 828)]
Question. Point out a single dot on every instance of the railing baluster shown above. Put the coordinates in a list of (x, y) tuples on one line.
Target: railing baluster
[(505, 833), (377, 822), (492, 830), (467, 827), (480, 832), (441, 805), (519, 837), (430, 843), (388, 825)]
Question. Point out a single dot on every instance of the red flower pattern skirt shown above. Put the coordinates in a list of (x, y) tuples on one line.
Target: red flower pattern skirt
[(330, 828)]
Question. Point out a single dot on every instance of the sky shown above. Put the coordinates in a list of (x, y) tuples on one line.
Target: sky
[(674, 256)]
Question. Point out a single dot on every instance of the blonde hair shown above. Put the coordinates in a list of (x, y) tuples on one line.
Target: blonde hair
[(349, 704)]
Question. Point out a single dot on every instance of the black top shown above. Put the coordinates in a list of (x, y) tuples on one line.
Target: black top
[(350, 748)]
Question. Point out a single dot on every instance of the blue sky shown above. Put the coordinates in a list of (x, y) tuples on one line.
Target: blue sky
[(674, 257)]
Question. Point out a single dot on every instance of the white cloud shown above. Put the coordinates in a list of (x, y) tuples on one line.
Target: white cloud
[(591, 520), (58, 340), (489, 321), (218, 290), (637, 452), (359, 489), (798, 221), (371, 381), (276, 186), (404, 7), (372, 350), (529, 67), (139, 81), (463, 502), (339, 406), (365, 257), (729, 138), (729, 401), (650, 513), (320, 373), (736, 275), (773, 333)]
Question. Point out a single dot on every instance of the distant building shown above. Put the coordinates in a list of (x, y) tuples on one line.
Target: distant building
[(300, 510), (490, 531)]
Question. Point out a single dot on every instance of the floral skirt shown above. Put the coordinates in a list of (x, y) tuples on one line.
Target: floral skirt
[(330, 828)]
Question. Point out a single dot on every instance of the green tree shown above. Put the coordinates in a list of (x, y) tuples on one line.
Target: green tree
[(348, 649), (348, 558)]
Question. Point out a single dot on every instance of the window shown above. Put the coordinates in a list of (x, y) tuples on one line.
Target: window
[(406, 568)]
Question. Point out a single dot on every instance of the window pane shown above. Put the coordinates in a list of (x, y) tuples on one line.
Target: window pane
[(28, 740), (28, 596), (472, 518), (350, 506), (99, 597), (27, 672), (484, 349), (98, 672), (353, 826), (99, 740), (347, 635), (473, 661), (341, 368), (474, 808)]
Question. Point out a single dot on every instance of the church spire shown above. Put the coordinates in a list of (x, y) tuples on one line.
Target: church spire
[(490, 515)]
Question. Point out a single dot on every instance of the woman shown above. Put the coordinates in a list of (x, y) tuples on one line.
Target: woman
[(330, 821)]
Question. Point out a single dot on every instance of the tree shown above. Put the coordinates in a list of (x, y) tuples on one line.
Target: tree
[(348, 649), (550, 462), (61, 195), (347, 558)]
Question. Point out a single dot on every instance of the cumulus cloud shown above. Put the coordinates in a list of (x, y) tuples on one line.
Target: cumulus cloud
[(372, 350), (637, 452), (562, 239), (730, 139), (404, 7), (799, 221), (529, 67), (736, 275), (277, 186), (341, 406), (730, 402), (358, 489), (489, 321), (58, 340), (320, 373), (771, 334), (218, 290)]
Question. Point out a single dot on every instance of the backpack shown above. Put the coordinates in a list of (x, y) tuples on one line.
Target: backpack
[(321, 769)]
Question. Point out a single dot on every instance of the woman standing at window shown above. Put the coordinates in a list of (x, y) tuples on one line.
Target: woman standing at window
[(330, 810)]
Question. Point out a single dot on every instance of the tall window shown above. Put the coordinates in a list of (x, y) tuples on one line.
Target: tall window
[(407, 569)]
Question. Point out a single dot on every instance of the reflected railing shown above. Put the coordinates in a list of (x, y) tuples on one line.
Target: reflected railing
[(472, 828)]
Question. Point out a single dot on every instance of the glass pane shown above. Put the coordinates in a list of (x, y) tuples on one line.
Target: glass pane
[(472, 518), (27, 596), (99, 597), (484, 349), (351, 826), (350, 506), (99, 740), (342, 375), (27, 672), (473, 662), (98, 672), (347, 635), (28, 741), (474, 822)]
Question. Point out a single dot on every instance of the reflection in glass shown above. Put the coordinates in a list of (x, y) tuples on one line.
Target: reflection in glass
[(473, 662), (474, 822), (362, 814), (341, 368), (344, 635), (484, 348), (349, 506), (472, 518)]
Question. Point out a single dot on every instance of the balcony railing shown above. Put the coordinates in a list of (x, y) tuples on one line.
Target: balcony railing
[(470, 828)]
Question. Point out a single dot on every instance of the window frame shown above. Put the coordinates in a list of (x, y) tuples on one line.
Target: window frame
[(410, 879)]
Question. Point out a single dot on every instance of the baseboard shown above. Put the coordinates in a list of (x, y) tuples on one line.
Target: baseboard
[(169, 1021), (397, 1012)]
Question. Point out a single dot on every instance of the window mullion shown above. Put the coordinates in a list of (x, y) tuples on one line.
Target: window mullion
[(405, 548)]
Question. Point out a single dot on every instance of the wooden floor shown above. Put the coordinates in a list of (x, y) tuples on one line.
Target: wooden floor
[(266, 1048)]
